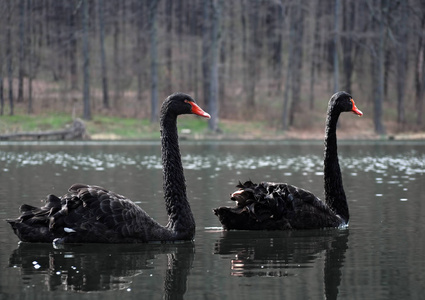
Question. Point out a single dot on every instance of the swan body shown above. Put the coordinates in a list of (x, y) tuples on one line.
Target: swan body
[(92, 214), (281, 206)]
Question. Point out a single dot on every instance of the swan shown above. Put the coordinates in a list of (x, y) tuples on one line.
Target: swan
[(92, 214), (281, 206)]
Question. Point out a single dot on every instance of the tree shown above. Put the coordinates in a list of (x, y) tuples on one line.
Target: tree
[(335, 48), (296, 69), (86, 61), (153, 8), (104, 68), (289, 68), (420, 67), (213, 103), (254, 52), (169, 45), (206, 47), (9, 57), (401, 63), (347, 43), (377, 52), (21, 61)]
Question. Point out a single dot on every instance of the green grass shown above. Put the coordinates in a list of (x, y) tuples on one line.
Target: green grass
[(100, 126), (26, 123)]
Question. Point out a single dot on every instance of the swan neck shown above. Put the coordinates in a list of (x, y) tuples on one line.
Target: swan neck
[(334, 190), (180, 218)]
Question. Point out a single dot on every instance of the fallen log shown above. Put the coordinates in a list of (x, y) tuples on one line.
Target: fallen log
[(77, 131)]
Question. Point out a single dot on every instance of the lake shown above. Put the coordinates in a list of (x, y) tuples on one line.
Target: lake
[(379, 256)]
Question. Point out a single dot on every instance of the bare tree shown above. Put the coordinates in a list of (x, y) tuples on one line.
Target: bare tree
[(254, 50), (289, 69), (336, 44), (86, 61), (296, 69), (33, 59), (377, 49), (213, 103), (153, 8), (104, 68), (378, 45), (401, 46), (21, 61), (274, 23), (169, 45), (9, 57), (206, 50), (347, 43), (420, 67)]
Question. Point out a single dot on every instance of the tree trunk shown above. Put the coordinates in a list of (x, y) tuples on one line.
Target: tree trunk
[(275, 36), (215, 46), (116, 55), (153, 7), (73, 50), (253, 52), (206, 47), (86, 61), (244, 46), (336, 43), (298, 23), (420, 81), (169, 46), (104, 73), (314, 54), (31, 32), (21, 62), (289, 73), (420, 69), (401, 62), (1, 94), (9, 57), (349, 14), (378, 56), (141, 49)]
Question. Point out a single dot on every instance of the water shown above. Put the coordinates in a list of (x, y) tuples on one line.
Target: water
[(379, 256)]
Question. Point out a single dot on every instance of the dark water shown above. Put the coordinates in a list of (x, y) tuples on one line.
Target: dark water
[(379, 256)]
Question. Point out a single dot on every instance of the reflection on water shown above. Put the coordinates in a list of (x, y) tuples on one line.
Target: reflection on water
[(99, 267), (380, 255), (409, 163), (282, 254)]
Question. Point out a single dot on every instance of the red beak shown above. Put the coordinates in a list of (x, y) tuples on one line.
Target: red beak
[(356, 110), (199, 111)]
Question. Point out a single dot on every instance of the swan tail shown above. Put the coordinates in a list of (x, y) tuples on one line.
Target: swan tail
[(33, 225), (34, 222)]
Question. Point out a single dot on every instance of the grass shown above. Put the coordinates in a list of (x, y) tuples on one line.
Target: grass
[(100, 127), (25, 123), (110, 127)]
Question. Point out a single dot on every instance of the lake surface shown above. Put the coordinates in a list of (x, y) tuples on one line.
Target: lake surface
[(379, 256)]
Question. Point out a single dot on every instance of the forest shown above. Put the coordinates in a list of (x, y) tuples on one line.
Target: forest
[(266, 60)]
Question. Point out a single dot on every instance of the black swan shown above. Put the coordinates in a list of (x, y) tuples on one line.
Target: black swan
[(91, 214), (280, 206)]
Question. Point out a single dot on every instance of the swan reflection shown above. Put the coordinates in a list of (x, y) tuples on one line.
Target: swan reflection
[(284, 253), (102, 267)]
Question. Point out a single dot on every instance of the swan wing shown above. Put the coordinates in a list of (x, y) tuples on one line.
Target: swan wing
[(85, 214)]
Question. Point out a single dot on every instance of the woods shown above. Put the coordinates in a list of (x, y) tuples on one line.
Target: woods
[(265, 60)]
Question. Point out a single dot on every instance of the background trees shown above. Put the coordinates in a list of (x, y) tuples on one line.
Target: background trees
[(269, 60)]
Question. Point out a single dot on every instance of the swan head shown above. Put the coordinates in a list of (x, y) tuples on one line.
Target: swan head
[(180, 103), (343, 101)]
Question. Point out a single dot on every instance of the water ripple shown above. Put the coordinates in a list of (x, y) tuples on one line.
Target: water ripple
[(407, 164)]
